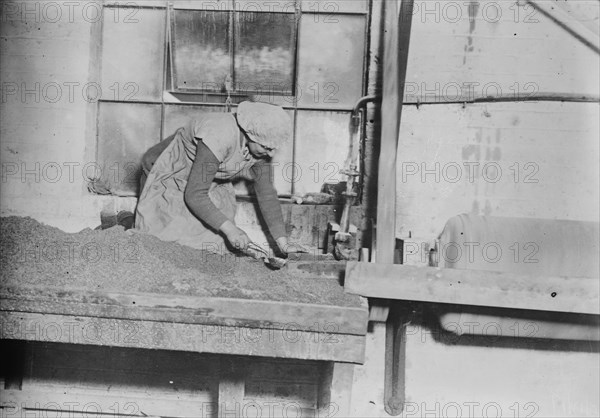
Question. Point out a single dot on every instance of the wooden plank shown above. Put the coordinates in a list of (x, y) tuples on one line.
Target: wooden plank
[(474, 287), (187, 309), (266, 342), (397, 38), (56, 402)]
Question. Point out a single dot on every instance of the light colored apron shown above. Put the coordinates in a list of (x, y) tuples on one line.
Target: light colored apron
[(161, 209)]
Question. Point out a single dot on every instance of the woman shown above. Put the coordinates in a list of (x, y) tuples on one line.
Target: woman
[(188, 196)]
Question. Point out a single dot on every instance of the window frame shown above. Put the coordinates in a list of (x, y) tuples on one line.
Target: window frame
[(305, 9), (233, 40)]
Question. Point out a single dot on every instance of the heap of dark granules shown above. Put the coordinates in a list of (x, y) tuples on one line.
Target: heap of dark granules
[(125, 261)]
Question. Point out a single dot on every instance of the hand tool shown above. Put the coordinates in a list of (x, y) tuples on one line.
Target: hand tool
[(256, 251)]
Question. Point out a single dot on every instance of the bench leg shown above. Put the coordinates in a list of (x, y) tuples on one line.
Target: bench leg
[(395, 359), (336, 390), (232, 386)]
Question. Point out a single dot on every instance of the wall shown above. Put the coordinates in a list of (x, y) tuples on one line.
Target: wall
[(548, 152), (520, 156), (48, 99)]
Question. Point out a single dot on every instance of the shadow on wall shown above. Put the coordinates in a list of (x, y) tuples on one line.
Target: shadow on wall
[(508, 328)]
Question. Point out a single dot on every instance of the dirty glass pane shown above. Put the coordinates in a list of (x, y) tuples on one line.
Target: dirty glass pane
[(283, 164), (214, 5), (266, 6), (329, 7), (136, 3), (176, 116), (322, 140), (133, 44), (264, 52), (125, 132), (331, 61), (200, 46)]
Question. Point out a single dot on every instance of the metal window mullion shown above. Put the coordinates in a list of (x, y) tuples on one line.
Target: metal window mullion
[(232, 20), (99, 56), (297, 17), (166, 55), (132, 5), (173, 50)]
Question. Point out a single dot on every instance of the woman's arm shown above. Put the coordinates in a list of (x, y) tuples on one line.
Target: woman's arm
[(201, 177), (268, 202), (196, 197)]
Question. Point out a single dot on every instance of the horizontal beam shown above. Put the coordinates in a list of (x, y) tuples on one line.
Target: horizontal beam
[(474, 287), (187, 309), (81, 403), (506, 98), (200, 338)]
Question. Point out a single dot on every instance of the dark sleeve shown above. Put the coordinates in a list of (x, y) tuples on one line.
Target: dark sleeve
[(196, 197), (267, 199)]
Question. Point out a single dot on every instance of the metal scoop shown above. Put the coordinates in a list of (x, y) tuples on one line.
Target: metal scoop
[(256, 251)]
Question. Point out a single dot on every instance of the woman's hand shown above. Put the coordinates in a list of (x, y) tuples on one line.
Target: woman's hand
[(236, 237), (289, 248)]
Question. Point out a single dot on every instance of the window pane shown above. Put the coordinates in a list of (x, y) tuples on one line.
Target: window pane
[(214, 5), (331, 61), (264, 52), (201, 49), (125, 132), (136, 3), (133, 54), (283, 167), (266, 6), (329, 7), (322, 140), (177, 116)]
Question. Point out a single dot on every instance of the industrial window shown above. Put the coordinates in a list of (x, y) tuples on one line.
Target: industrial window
[(221, 51), (161, 62)]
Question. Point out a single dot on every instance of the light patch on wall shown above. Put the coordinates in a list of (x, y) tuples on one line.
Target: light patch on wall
[(322, 147)]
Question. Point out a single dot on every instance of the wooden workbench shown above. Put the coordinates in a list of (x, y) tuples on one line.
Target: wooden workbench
[(334, 336), (185, 323)]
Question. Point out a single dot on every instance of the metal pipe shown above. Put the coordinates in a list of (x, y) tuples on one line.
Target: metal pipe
[(350, 163), (343, 236), (362, 101)]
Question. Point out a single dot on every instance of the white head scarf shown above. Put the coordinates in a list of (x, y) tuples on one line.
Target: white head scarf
[(265, 124)]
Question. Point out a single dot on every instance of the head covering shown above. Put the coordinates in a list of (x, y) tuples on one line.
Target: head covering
[(265, 124)]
